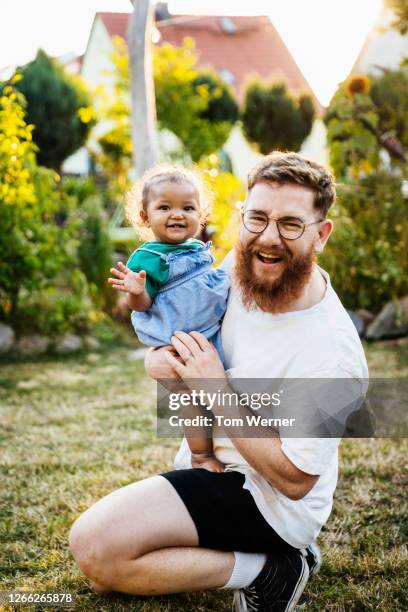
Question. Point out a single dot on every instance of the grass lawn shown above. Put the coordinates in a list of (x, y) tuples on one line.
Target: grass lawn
[(73, 430)]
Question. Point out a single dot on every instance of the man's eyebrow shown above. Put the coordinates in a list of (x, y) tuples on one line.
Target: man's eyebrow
[(287, 216)]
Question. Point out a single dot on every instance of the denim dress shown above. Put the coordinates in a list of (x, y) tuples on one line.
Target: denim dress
[(194, 298)]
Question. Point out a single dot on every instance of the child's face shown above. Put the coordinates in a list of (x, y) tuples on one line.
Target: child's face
[(173, 211)]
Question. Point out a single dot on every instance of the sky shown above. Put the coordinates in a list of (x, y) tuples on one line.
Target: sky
[(324, 36)]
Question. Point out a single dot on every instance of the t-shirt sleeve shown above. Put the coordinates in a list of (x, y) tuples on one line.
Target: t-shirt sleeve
[(154, 267), (227, 263), (311, 455), (324, 408)]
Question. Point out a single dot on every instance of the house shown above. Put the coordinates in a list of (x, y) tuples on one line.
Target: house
[(236, 47), (384, 47)]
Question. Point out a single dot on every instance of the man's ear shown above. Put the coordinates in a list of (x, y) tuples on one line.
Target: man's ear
[(323, 235), (144, 218)]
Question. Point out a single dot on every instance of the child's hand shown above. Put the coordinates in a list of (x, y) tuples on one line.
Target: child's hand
[(126, 280)]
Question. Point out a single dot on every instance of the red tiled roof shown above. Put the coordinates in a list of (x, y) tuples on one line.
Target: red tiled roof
[(254, 48)]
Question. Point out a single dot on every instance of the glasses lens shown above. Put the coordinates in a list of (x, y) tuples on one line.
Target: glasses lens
[(290, 228), (255, 221)]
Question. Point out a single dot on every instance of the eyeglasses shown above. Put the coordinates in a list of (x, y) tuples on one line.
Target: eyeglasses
[(289, 228)]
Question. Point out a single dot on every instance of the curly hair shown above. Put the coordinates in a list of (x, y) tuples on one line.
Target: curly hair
[(137, 198), (279, 167)]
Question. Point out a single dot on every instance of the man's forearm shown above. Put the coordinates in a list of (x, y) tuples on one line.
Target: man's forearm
[(265, 455)]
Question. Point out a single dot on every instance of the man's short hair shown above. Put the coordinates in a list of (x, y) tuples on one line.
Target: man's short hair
[(278, 167)]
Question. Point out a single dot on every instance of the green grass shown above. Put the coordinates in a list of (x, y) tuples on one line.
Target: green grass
[(73, 430)]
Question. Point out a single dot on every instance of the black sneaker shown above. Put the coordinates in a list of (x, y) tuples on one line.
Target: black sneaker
[(313, 558), (277, 588)]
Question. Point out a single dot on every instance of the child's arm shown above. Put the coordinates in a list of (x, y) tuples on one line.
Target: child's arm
[(134, 283)]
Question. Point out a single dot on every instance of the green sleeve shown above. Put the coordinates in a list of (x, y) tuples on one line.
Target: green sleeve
[(157, 270)]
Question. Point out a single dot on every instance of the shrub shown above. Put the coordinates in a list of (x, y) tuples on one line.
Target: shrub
[(274, 118), (32, 247), (228, 193), (58, 105), (197, 106), (95, 248), (367, 255)]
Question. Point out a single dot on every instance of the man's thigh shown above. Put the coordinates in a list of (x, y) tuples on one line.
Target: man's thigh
[(142, 517)]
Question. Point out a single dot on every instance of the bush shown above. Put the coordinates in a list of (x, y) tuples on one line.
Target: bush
[(228, 193), (59, 107), (273, 118), (33, 248), (56, 311), (221, 102), (95, 248), (367, 255), (197, 106)]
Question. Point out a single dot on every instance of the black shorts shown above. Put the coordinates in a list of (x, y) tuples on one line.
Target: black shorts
[(225, 514)]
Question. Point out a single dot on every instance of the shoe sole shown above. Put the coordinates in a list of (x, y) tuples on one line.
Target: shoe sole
[(300, 587), (318, 556)]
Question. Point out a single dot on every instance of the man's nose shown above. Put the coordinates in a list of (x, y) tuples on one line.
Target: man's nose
[(270, 235)]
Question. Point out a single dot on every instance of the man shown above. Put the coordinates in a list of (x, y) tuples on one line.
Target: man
[(177, 532)]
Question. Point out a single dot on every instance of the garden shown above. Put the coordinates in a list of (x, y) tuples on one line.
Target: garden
[(77, 408)]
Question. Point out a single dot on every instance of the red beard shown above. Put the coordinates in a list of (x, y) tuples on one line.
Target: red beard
[(276, 295)]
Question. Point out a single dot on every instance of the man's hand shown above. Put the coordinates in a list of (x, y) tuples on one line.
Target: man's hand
[(126, 280), (199, 358), (156, 364)]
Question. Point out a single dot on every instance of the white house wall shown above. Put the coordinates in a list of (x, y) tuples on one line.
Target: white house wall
[(97, 63), (382, 48)]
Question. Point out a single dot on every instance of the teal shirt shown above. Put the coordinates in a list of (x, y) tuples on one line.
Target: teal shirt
[(157, 270)]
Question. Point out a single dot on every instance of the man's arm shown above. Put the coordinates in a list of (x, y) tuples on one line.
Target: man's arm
[(265, 455)]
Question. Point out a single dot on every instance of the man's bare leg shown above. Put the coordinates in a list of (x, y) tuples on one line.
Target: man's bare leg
[(141, 540)]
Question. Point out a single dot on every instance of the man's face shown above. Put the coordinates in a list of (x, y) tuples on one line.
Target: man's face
[(272, 271)]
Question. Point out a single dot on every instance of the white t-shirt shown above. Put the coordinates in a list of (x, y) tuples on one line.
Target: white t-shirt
[(318, 342)]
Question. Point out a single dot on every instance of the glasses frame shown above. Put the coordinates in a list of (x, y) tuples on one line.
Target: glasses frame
[(277, 219)]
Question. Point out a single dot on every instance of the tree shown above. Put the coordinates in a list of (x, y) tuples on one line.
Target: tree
[(142, 87), (274, 118), (400, 9), (59, 107)]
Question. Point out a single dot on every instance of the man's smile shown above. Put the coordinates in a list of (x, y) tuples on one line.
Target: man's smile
[(269, 258)]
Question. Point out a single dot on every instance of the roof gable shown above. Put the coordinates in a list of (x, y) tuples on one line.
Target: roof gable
[(238, 47)]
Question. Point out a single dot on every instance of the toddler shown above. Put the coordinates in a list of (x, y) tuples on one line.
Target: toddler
[(169, 280)]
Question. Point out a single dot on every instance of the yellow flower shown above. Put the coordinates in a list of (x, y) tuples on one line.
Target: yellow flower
[(358, 85), (86, 114)]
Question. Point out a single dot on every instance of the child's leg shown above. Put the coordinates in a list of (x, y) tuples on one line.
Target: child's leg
[(198, 431)]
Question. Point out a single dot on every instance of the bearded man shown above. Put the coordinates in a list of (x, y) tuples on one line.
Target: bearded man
[(251, 528)]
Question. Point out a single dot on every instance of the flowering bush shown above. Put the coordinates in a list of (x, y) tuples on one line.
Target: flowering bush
[(32, 248)]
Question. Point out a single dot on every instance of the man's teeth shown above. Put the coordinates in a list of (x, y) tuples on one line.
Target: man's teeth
[(269, 256)]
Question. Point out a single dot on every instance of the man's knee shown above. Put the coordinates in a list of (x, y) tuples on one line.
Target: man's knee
[(89, 549)]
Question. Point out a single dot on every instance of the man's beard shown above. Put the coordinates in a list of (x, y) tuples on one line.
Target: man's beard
[(272, 295)]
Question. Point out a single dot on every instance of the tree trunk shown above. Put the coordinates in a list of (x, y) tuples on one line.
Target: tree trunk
[(142, 87)]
